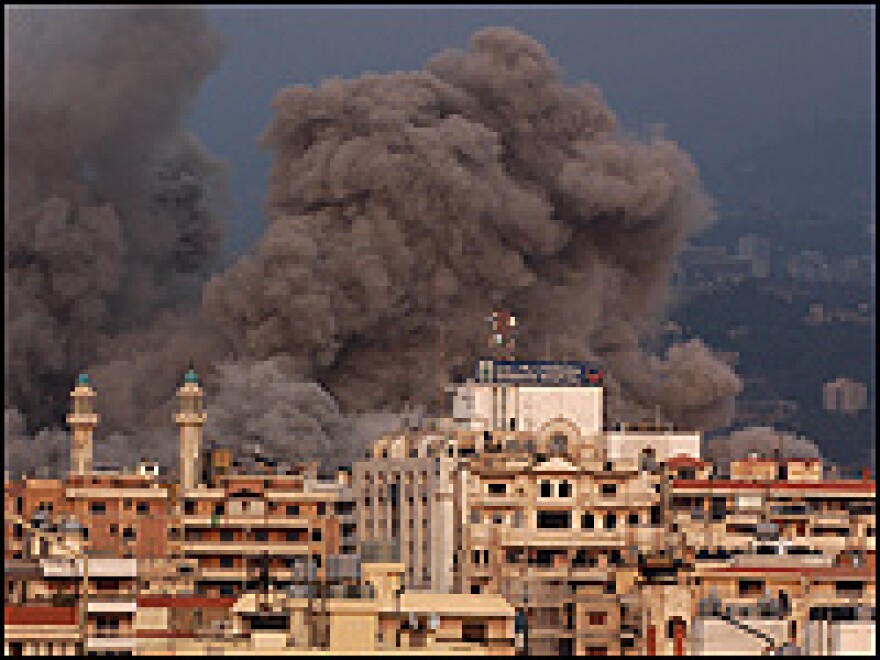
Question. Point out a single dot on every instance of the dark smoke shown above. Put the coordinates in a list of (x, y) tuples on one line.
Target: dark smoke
[(112, 220), (45, 454), (262, 404), (403, 207)]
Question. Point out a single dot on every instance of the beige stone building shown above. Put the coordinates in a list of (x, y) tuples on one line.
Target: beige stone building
[(522, 523)]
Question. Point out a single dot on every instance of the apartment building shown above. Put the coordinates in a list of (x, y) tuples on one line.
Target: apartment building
[(406, 492), (524, 523), (287, 529)]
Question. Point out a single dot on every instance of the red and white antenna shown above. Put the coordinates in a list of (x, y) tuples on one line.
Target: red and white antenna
[(502, 342)]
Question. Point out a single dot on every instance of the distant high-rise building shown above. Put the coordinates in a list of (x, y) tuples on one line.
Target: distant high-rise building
[(845, 396)]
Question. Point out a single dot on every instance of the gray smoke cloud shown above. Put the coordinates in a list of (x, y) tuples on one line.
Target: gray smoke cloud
[(250, 402), (113, 214), (43, 455), (403, 207)]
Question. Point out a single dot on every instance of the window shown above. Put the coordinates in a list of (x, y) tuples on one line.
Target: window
[(126, 504), (291, 535), (610, 521), (344, 508), (633, 519), (564, 489), (587, 521), (317, 560), (293, 509), (219, 509), (227, 562), (655, 515), (609, 489), (227, 590), (849, 588), (321, 508), (128, 534), (316, 535), (226, 535), (143, 507), (261, 536), (559, 443), (546, 489), (598, 618), (554, 519), (476, 556), (475, 588), (473, 632), (98, 508), (751, 588), (189, 507), (497, 489)]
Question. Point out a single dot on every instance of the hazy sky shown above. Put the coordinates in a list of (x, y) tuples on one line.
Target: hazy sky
[(717, 78)]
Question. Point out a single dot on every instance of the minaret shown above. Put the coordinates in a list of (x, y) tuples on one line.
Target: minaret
[(190, 419), (82, 421)]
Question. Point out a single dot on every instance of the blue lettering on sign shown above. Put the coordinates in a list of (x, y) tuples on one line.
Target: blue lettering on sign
[(537, 372)]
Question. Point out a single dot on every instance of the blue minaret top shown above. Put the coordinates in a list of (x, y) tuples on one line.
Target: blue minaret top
[(83, 379), (191, 377)]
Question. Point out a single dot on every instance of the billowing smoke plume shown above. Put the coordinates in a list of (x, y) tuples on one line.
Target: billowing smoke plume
[(764, 441), (112, 216), (45, 454), (403, 207), (251, 403)]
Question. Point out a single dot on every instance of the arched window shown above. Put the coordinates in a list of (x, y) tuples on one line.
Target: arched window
[(558, 443)]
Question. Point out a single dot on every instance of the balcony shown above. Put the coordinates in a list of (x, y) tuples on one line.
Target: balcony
[(104, 641), (245, 547), (117, 605), (640, 500), (227, 521), (741, 518), (227, 574), (832, 520), (506, 500), (563, 538)]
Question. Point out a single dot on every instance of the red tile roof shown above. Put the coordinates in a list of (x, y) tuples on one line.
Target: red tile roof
[(866, 486), (39, 616), (186, 602)]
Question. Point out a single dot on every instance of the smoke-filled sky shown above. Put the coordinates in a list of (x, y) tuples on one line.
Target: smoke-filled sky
[(720, 78), (403, 204)]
